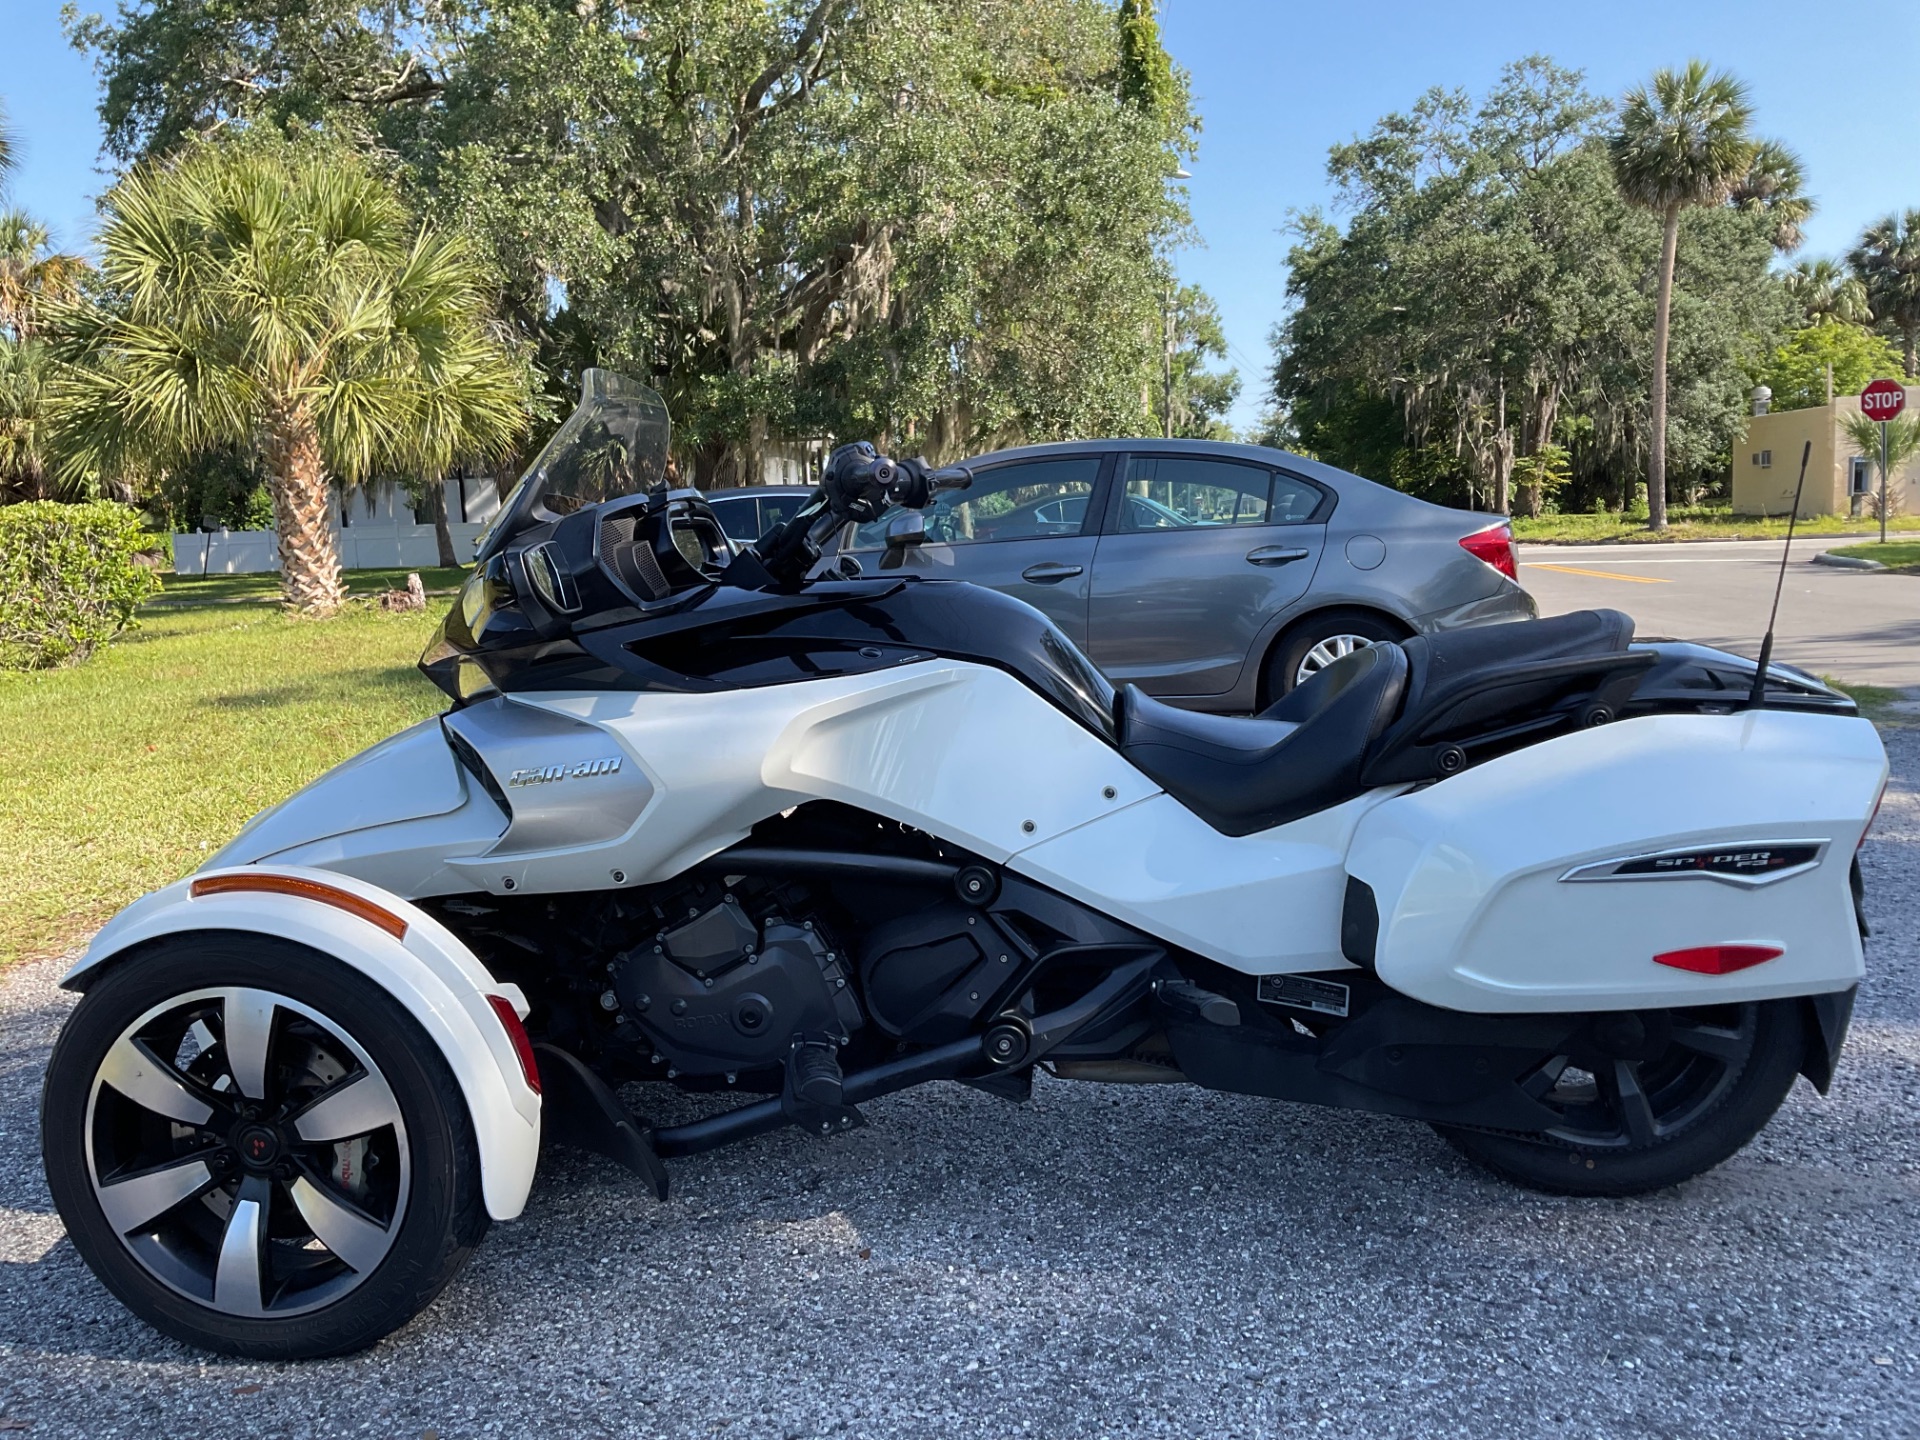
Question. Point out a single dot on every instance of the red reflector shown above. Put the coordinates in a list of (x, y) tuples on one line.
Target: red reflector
[(271, 884), (1719, 959), (517, 1033), (1494, 545)]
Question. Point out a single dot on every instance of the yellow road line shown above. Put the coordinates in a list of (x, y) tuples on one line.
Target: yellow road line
[(1599, 574)]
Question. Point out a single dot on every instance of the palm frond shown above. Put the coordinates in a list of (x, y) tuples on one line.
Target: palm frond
[(1682, 139)]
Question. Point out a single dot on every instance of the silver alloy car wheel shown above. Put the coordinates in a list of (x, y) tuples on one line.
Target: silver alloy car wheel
[(1334, 647), (247, 1152)]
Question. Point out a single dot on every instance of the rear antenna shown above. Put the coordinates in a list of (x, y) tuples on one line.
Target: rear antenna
[(1766, 642)]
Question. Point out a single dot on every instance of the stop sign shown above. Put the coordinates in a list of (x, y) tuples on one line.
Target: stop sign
[(1883, 399)]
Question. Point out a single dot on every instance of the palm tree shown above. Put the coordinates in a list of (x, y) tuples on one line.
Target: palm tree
[(1901, 438), (276, 295), (1887, 260), (1775, 186), (1828, 293), (23, 374), (33, 275), (1682, 140)]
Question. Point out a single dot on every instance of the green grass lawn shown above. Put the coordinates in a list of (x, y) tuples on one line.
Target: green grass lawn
[(1895, 554), (1690, 524), (265, 587), (122, 774)]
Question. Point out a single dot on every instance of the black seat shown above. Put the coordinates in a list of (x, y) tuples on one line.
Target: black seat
[(1473, 694), (1301, 755)]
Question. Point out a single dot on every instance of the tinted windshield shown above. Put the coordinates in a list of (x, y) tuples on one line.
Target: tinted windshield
[(614, 443)]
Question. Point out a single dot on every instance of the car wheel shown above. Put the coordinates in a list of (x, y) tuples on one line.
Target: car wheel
[(1320, 640), (257, 1149)]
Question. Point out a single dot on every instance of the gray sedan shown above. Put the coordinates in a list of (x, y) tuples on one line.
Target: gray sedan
[(1217, 576)]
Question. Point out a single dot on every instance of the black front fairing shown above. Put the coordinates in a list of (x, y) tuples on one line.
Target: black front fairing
[(723, 637)]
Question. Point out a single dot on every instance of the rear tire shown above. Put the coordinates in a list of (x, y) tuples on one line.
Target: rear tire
[(1695, 1106), (361, 1212), (1319, 640)]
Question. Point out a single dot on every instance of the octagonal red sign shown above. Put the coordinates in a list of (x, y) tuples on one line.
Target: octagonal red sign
[(1883, 399)]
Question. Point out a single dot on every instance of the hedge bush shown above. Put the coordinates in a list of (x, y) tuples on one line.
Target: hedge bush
[(71, 577)]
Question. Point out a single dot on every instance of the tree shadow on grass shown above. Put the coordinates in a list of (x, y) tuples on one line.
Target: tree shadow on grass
[(343, 690)]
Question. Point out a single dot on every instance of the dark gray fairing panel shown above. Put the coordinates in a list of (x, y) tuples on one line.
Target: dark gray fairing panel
[(566, 784)]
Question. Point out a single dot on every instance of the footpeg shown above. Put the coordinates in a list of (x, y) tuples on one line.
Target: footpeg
[(1189, 999), (814, 1097)]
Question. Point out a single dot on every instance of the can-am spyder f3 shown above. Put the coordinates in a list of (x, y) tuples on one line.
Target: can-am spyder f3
[(715, 820)]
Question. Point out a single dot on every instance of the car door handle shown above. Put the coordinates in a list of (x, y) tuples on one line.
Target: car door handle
[(1049, 572), (1276, 555)]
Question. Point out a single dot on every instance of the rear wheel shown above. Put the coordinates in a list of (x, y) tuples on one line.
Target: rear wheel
[(257, 1149), (1644, 1101), (1318, 641)]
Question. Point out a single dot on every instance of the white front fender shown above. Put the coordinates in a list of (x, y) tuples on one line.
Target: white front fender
[(428, 970)]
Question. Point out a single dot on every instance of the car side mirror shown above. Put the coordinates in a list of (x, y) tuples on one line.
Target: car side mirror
[(906, 530)]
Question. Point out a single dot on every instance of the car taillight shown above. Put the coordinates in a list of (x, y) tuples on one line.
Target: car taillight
[(1494, 546), (517, 1033)]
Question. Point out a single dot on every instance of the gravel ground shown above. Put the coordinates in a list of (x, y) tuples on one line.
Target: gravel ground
[(1104, 1261)]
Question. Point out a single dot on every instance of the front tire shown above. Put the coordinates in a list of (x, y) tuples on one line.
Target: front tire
[(1648, 1101), (257, 1149)]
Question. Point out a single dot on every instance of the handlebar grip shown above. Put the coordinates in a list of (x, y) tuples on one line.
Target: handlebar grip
[(956, 478)]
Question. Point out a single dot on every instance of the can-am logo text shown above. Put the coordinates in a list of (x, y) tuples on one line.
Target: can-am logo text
[(543, 774)]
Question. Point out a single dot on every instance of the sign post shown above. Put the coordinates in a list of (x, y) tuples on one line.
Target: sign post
[(1882, 400)]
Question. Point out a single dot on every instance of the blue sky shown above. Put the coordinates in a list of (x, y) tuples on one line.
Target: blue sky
[(1276, 84)]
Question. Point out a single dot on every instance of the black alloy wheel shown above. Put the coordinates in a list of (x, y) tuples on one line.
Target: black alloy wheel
[(1644, 1100), (243, 1169)]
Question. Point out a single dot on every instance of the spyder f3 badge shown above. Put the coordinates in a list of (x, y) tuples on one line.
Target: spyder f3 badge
[(545, 774)]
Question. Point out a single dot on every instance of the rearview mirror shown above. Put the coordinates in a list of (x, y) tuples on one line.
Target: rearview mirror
[(906, 530)]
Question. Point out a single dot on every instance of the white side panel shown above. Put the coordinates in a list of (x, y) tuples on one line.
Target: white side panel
[(966, 752), (1474, 914), (1264, 903), (962, 751), (407, 776), (430, 972)]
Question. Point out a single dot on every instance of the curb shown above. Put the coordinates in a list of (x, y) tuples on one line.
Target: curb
[(1846, 562)]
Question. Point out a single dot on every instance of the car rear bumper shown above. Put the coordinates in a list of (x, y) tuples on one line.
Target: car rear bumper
[(1510, 602)]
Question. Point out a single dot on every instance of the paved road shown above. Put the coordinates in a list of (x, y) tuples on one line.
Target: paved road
[(1850, 624), (1108, 1261)]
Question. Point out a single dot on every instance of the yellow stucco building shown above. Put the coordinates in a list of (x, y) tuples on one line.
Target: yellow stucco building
[(1767, 462)]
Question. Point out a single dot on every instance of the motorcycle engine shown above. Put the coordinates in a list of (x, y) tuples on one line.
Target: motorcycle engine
[(722, 991)]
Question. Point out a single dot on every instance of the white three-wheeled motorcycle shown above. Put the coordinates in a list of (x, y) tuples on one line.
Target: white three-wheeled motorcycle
[(799, 839)]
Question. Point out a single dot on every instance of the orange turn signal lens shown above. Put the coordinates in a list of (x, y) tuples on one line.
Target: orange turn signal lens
[(268, 883)]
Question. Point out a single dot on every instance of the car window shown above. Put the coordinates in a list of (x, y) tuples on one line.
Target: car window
[(1027, 500), (1183, 492), (778, 509), (1294, 501), (737, 517)]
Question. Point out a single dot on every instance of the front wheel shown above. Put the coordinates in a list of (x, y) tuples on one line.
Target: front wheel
[(1644, 1101), (257, 1149)]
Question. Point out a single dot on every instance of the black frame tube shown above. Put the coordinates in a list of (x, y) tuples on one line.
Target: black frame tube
[(940, 1063), (753, 859)]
